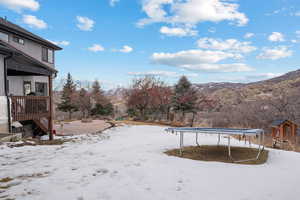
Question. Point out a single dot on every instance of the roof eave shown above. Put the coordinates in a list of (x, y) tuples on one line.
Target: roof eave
[(48, 43), (35, 61)]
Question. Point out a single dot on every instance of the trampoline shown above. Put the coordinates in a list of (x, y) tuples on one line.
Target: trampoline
[(222, 131)]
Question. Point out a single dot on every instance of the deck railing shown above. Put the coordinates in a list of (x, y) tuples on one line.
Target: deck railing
[(29, 107)]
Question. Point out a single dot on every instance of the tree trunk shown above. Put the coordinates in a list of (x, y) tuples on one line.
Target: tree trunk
[(168, 113), (183, 116), (70, 115), (193, 119)]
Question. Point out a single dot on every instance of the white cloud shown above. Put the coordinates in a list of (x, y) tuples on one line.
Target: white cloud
[(85, 23), (112, 3), (61, 43), (212, 30), (200, 60), (191, 12), (298, 36), (297, 14), (278, 11), (294, 41), (232, 67), (226, 45), (250, 77), (248, 35), (191, 57), (124, 49), (96, 48), (179, 32), (34, 22), (162, 73), (276, 37), (262, 76), (19, 5), (275, 53)]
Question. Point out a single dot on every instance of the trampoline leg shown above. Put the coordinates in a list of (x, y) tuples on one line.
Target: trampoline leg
[(229, 149), (181, 143), (249, 142), (197, 140), (263, 140), (219, 138)]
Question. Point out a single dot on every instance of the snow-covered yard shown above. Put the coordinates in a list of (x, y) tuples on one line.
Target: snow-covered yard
[(128, 163)]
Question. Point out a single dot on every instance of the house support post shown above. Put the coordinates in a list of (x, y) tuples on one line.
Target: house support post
[(50, 122), (6, 92)]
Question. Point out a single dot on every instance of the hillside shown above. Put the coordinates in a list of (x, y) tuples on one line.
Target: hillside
[(234, 93)]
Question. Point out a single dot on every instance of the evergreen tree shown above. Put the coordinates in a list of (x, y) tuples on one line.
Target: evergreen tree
[(102, 104), (185, 97), (103, 110), (68, 103), (98, 93)]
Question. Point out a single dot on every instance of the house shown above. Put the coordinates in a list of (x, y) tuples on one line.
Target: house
[(284, 128), (27, 69), (283, 131)]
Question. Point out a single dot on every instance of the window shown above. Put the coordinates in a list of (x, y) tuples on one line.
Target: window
[(47, 55), (41, 89), (44, 54), (27, 88), (4, 36), (18, 40)]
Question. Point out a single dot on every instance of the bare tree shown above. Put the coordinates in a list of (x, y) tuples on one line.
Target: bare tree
[(84, 102), (139, 95)]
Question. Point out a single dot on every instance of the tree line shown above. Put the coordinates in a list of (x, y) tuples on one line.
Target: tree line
[(150, 98), (91, 102)]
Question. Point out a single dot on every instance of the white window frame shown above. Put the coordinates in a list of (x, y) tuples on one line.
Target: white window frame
[(4, 34), (46, 57), (18, 40)]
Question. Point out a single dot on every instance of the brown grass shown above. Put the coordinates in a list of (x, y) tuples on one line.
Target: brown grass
[(220, 154), (51, 142), (35, 142), (131, 122), (5, 180)]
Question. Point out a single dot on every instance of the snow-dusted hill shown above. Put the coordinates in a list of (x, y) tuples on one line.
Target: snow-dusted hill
[(128, 163)]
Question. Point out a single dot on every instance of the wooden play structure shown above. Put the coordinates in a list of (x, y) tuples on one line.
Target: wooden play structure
[(284, 133)]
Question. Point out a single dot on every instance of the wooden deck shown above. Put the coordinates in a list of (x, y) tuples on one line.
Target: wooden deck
[(25, 108)]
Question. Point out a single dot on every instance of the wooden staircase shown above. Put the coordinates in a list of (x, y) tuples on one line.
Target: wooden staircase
[(36, 109), (283, 144), (42, 125)]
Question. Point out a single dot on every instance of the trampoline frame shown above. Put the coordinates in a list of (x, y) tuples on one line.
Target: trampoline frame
[(222, 131)]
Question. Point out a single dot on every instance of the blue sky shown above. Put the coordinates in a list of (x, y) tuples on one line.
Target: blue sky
[(206, 40)]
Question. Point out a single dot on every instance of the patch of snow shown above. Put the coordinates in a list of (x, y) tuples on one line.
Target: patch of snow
[(128, 163)]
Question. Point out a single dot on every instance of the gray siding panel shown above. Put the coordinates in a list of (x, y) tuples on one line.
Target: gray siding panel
[(17, 83), (31, 48), (3, 100), (2, 89)]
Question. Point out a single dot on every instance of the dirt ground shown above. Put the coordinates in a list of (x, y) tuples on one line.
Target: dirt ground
[(78, 127), (220, 154)]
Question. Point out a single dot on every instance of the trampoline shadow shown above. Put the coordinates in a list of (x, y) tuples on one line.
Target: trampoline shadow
[(220, 154)]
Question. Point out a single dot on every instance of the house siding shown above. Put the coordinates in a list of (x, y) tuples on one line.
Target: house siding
[(16, 83), (31, 48), (3, 100), (2, 90)]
